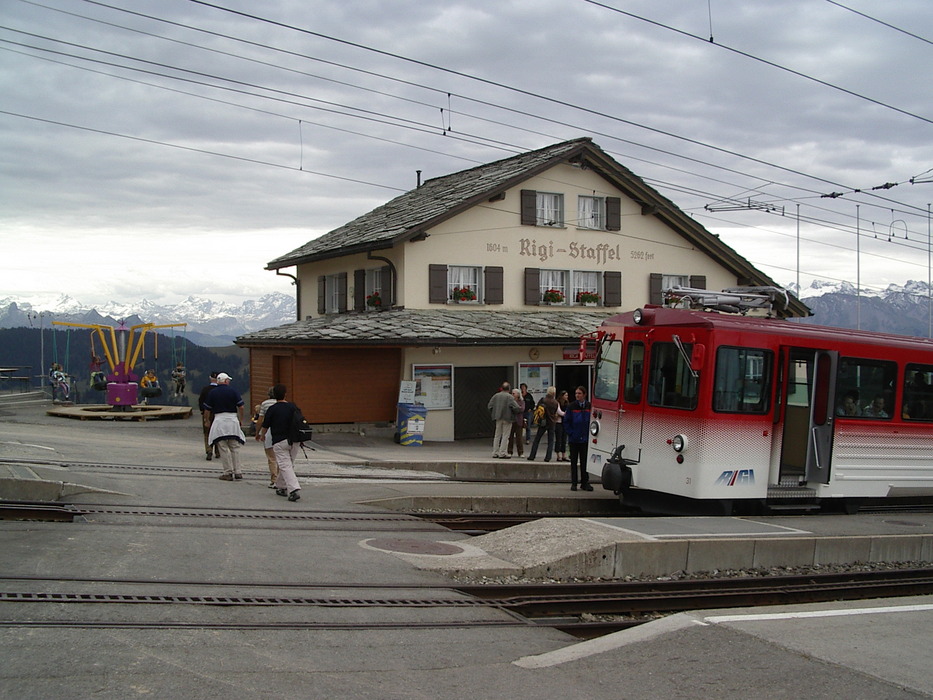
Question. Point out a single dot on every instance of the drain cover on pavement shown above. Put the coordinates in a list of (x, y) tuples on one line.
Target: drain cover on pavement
[(409, 546)]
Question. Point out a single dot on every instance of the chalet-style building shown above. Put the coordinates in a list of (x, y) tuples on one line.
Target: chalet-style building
[(485, 275)]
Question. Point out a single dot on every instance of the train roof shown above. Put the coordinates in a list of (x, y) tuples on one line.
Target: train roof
[(659, 316)]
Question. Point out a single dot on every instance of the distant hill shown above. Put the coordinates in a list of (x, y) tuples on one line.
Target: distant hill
[(209, 323)]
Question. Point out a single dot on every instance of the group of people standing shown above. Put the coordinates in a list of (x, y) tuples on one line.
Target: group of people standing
[(565, 423), (222, 417)]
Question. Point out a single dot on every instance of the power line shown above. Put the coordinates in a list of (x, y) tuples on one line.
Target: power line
[(875, 19), (465, 97), (745, 54)]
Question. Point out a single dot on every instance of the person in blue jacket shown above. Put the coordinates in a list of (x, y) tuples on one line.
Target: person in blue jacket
[(577, 430)]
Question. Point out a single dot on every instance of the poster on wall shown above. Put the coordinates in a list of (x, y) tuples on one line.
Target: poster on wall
[(537, 375), (434, 385)]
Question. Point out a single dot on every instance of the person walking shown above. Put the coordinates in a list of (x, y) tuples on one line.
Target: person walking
[(577, 430), (529, 401), (551, 409), (206, 418), (266, 438), (226, 407), (518, 425), (276, 424), (501, 411)]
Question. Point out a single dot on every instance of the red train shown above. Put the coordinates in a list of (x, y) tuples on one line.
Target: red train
[(732, 413)]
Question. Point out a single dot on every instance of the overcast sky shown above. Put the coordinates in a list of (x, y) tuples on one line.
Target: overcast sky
[(175, 147)]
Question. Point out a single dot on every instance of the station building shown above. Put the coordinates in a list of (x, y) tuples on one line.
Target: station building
[(474, 278)]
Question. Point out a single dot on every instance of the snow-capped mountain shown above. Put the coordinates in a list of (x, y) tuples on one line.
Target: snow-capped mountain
[(210, 323), (901, 309)]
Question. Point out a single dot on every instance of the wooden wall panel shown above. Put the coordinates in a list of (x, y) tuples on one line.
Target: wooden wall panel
[(332, 385)]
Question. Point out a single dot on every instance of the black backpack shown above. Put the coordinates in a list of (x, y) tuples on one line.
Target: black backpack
[(300, 430)]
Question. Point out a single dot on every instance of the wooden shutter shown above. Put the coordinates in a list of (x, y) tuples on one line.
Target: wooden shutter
[(387, 286), (613, 213), (437, 284), (698, 281), (529, 207), (359, 290), (321, 295), (341, 292), (612, 288), (533, 286), (655, 293), (492, 285)]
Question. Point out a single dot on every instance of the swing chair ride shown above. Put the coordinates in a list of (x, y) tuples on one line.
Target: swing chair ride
[(122, 348)]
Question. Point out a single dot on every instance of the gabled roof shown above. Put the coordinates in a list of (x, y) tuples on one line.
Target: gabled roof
[(414, 327), (434, 201), (413, 213)]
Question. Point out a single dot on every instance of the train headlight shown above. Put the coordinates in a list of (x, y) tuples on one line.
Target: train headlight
[(638, 316), (594, 428), (679, 443)]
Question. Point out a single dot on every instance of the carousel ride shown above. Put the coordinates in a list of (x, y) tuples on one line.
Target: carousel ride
[(122, 347)]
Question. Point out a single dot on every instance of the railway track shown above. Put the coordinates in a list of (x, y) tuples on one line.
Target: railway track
[(570, 607)]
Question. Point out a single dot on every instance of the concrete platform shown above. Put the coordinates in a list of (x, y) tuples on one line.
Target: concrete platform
[(619, 547)]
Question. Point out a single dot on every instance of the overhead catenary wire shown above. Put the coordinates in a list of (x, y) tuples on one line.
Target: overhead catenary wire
[(350, 178)]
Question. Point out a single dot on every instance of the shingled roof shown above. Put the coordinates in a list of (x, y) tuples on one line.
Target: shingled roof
[(414, 327), (412, 214), (437, 199)]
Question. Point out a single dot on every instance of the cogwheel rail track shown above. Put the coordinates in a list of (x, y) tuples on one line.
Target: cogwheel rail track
[(535, 604)]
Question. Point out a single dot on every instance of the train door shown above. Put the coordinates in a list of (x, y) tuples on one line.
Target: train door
[(808, 400)]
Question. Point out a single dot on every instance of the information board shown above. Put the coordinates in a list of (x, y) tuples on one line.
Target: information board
[(434, 385), (537, 375)]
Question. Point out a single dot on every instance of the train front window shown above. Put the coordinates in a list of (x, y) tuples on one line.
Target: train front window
[(671, 382), (743, 380), (865, 388), (606, 386)]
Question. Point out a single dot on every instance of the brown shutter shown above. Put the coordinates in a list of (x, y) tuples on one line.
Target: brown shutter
[(612, 288), (359, 290), (533, 286), (655, 293), (492, 285), (437, 284), (387, 286), (698, 281), (321, 295), (529, 207), (613, 213), (342, 292)]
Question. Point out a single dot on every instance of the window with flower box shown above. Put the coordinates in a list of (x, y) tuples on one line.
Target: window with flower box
[(585, 289), (553, 284)]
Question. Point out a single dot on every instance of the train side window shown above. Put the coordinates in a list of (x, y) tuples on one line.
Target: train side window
[(671, 382), (742, 383), (606, 385), (868, 384), (634, 372), (918, 393)]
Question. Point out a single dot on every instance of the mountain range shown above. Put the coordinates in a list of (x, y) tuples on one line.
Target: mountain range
[(901, 309), (209, 323)]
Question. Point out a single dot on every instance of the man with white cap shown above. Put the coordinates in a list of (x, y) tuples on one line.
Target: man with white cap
[(226, 407)]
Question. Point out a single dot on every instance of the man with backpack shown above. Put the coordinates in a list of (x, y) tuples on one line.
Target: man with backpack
[(278, 421), (546, 423)]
